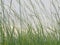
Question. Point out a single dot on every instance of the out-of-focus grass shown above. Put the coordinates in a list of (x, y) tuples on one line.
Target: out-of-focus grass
[(30, 35), (26, 38)]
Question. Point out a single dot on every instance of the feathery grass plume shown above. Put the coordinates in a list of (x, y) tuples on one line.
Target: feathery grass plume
[(29, 22)]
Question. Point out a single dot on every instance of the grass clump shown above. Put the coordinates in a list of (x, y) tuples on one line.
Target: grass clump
[(28, 27)]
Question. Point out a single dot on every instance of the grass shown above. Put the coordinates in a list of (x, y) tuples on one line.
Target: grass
[(30, 29)]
